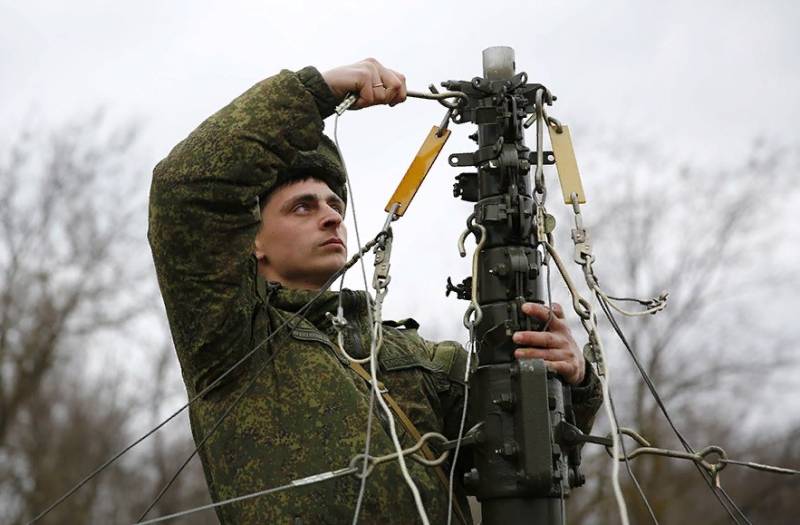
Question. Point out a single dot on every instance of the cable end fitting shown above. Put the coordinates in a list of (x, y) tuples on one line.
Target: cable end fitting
[(345, 104)]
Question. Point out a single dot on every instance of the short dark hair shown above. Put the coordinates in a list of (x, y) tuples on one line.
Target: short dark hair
[(289, 180)]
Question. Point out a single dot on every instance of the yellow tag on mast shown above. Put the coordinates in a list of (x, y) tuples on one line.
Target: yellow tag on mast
[(566, 165), (419, 168)]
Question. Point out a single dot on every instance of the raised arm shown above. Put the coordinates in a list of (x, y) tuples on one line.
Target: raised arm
[(204, 211)]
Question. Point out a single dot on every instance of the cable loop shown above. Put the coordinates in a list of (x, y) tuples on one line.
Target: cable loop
[(411, 451), (440, 97), (583, 308), (554, 123), (473, 308), (700, 457), (364, 463)]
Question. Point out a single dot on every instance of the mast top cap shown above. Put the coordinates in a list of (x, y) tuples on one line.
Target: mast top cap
[(498, 63)]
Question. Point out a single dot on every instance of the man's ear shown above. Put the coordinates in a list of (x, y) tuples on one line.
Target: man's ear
[(258, 250)]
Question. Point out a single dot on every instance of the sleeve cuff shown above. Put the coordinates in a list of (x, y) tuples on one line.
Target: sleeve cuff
[(588, 388), (315, 84)]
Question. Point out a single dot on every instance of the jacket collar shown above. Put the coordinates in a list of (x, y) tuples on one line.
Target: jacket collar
[(355, 303)]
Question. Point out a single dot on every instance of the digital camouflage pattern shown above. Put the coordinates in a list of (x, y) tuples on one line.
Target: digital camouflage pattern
[(305, 413)]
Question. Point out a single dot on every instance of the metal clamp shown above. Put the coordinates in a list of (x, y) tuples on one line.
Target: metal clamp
[(383, 253), (345, 104)]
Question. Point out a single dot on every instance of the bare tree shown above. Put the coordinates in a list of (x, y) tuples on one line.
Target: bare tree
[(707, 236), (75, 280)]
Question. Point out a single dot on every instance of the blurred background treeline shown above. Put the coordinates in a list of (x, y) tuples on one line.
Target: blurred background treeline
[(87, 364), (683, 115)]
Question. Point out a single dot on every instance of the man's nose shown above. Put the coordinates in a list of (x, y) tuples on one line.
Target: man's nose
[(331, 218)]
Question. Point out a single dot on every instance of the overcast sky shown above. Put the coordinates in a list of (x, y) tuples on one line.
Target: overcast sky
[(701, 79)]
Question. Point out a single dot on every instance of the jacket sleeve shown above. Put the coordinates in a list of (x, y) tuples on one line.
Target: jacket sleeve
[(587, 398), (204, 214)]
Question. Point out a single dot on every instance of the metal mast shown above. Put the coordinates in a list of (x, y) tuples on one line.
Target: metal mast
[(519, 471)]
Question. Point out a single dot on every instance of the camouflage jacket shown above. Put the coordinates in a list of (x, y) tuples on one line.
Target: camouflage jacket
[(304, 411)]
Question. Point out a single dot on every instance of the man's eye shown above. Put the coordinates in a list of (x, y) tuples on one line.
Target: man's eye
[(301, 207)]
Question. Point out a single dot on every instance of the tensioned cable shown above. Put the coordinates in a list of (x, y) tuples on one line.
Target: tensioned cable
[(615, 434), (630, 470), (588, 318), (545, 328), (230, 408), (204, 391), (651, 386), (373, 392), (659, 402), (294, 484), (373, 461), (363, 485), (367, 440), (374, 347), (470, 351), (585, 260), (610, 400)]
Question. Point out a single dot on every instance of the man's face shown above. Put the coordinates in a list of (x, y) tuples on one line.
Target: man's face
[(302, 240)]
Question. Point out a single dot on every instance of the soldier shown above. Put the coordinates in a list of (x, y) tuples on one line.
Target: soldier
[(246, 225)]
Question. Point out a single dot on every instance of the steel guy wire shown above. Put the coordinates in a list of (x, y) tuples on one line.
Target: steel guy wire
[(581, 306), (630, 469), (474, 308), (713, 466), (733, 504), (548, 253), (370, 461), (363, 484), (662, 407), (584, 310), (613, 410), (585, 262), (584, 258), (339, 322), (470, 351), (546, 327), (373, 391), (762, 467), (659, 402), (205, 390), (310, 480), (377, 338), (440, 97), (604, 383), (546, 264), (712, 469), (236, 401)]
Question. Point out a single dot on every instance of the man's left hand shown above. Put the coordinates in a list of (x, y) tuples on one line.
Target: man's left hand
[(556, 346)]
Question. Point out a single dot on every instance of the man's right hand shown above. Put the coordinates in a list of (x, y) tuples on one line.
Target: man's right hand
[(374, 83)]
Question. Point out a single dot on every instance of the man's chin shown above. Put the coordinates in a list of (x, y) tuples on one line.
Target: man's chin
[(327, 271)]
